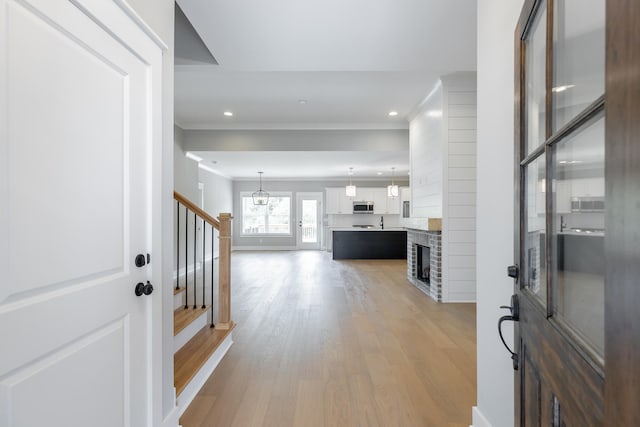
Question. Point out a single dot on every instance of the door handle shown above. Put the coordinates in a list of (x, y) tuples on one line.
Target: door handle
[(148, 288), (142, 289), (514, 308)]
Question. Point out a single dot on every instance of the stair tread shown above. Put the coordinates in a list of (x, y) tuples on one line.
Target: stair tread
[(182, 317), (194, 354), (179, 290)]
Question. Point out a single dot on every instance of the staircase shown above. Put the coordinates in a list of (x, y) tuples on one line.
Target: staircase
[(202, 300)]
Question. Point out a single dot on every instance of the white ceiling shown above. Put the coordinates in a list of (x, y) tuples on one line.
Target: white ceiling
[(352, 61)]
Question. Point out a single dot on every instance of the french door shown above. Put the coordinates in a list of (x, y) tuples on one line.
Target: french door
[(309, 220), (578, 185)]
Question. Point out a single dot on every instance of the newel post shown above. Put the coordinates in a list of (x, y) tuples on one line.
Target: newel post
[(224, 282)]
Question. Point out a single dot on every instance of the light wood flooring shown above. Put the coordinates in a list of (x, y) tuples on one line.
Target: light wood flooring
[(338, 343)]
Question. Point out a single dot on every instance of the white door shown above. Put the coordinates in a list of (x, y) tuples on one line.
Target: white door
[(79, 161), (309, 218)]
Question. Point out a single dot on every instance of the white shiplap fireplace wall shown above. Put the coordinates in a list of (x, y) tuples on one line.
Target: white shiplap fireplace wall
[(443, 178)]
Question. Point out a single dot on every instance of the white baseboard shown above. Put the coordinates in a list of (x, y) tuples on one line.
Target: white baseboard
[(187, 333), (479, 420), (264, 248), (191, 390), (172, 419)]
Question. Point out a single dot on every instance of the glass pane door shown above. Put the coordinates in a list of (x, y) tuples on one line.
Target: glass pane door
[(309, 221), (309, 214)]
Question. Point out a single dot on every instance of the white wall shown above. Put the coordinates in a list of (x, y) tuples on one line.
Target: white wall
[(459, 188), (426, 145), (442, 138), (496, 25), (297, 140), (218, 198), (185, 171)]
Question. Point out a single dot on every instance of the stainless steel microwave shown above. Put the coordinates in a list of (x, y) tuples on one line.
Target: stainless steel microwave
[(362, 207)]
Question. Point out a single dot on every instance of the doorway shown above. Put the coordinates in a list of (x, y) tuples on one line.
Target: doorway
[(309, 215)]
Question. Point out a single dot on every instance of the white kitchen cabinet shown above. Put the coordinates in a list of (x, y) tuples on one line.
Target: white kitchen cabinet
[(562, 196), (338, 202), (365, 194), (380, 201), (393, 205), (587, 187), (346, 203)]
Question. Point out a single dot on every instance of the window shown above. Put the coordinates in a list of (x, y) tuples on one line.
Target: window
[(274, 218)]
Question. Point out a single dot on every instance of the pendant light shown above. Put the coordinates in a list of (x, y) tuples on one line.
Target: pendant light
[(260, 197), (392, 190), (350, 190)]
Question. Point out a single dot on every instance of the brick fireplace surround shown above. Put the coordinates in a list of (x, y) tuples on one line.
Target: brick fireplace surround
[(432, 239)]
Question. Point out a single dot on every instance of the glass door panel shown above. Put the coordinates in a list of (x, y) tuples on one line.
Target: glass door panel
[(578, 235), (535, 81), (310, 221), (578, 57), (535, 237), (309, 216)]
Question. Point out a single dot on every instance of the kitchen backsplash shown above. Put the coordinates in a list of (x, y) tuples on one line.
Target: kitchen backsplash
[(363, 219)]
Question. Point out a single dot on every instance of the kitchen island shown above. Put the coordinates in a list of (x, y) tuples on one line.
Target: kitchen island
[(369, 243)]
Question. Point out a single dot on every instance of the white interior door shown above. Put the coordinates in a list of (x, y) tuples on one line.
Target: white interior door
[(309, 218), (78, 148)]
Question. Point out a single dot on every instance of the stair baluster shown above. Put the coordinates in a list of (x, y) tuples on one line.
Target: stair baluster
[(178, 247), (186, 257), (204, 245), (212, 264), (195, 242)]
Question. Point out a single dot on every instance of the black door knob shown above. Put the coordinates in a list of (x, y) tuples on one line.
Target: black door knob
[(139, 289), (140, 260), (148, 288)]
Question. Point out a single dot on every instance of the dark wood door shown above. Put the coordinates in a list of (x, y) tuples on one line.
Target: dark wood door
[(578, 213)]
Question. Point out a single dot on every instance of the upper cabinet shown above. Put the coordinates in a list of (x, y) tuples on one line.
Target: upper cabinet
[(339, 203)]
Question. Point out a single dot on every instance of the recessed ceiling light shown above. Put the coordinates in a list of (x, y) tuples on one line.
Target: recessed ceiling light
[(228, 113), (559, 89), (379, 173), (302, 101), (393, 113)]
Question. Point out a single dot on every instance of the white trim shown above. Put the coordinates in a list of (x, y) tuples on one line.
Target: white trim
[(396, 125), (131, 13), (172, 419), (187, 333), (264, 248), (191, 390), (403, 182), (213, 171), (478, 419)]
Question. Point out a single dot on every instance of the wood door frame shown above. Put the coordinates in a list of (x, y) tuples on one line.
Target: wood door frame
[(622, 244)]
